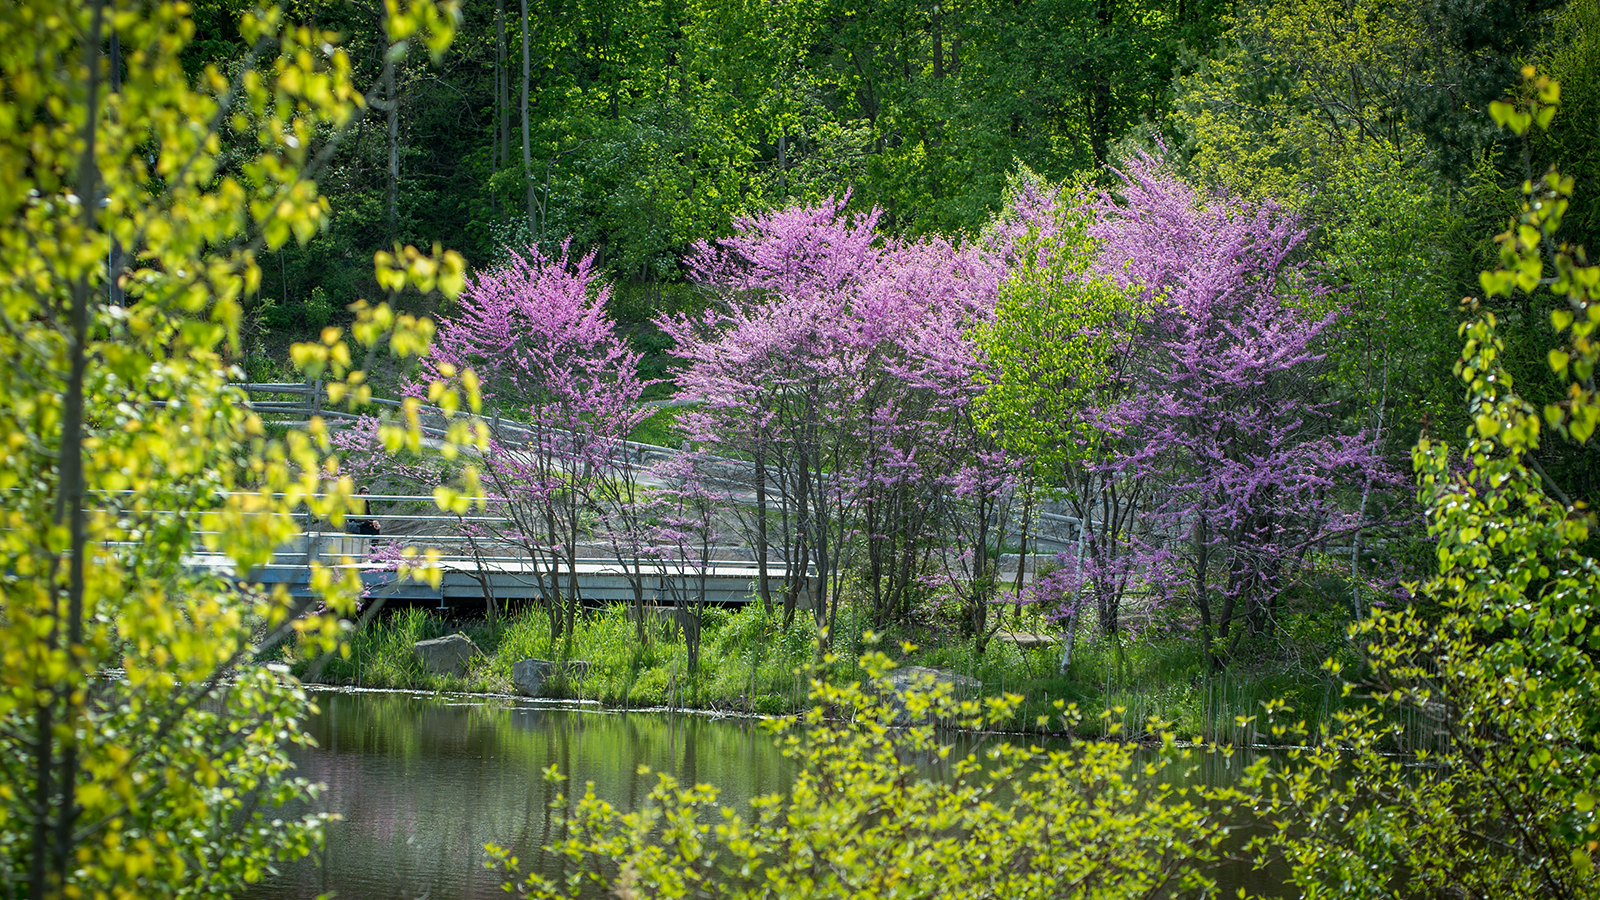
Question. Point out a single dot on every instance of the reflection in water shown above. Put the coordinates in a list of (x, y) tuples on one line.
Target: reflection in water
[(423, 782)]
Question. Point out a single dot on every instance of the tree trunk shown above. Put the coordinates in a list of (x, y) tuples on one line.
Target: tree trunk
[(877, 541), (1100, 99), (1110, 601), (114, 264), (1068, 638), (783, 160), (527, 149), (1022, 549), (484, 577), (691, 634), (52, 854), (805, 531), (1361, 513), (574, 593), (982, 581), (555, 605), (1202, 560), (502, 79), (391, 203), (764, 585)]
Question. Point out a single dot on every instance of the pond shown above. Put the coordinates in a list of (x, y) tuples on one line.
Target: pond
[(421, 782)]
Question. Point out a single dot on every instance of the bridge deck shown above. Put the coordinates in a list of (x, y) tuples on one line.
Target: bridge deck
[(599, 581)]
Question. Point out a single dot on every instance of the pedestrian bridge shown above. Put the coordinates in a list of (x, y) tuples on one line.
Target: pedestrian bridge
[(470, 579)]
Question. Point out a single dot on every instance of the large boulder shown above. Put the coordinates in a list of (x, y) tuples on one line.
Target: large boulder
[(1026, 640), (532, 676), (448, 655), (925, 678)]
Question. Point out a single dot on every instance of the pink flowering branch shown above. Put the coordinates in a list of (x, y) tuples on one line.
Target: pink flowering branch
[(1250, 466), (564, 392)]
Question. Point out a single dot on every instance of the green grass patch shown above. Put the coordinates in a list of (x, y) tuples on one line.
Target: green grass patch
[(749, 662), (661, 429)]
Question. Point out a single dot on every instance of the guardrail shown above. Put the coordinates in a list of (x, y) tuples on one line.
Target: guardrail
[(479, 567), (730, 472), (1054, 531), (316, 403)]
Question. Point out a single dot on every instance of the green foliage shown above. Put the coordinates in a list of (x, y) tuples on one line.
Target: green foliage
[(1504, 690), (661, 429), (1383, 224), (319, 311), (1495, 795), (652, 125), (1571, 56), (1305, 104), (877, 810), (1297, 89), (141, 745), (1058, 334)]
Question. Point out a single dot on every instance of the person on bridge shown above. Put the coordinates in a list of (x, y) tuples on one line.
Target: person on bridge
[(364, 524)]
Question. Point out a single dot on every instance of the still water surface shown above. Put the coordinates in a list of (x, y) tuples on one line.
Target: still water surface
[(421, 782)]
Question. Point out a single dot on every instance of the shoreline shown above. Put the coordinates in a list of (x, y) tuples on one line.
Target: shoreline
[(752, 667)]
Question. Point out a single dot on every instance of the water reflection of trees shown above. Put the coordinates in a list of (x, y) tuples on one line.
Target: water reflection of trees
[(423, 782)]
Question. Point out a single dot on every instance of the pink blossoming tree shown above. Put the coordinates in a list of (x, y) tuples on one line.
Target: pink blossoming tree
[(837, 364), (1247, 467), (563, 390)]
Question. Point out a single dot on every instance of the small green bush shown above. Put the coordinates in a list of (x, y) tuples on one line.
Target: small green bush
[(318, 310)]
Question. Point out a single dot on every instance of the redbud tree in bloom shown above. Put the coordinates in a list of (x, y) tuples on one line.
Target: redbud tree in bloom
[(1248, 467), (548, 353), (767, 369), (833, 364)]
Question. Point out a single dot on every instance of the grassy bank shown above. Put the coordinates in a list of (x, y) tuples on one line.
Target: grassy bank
[(660, 429), (751, 664)]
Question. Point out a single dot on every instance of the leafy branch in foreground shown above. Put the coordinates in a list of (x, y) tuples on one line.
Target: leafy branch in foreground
[(1498, 797), (139, 756), (879, 809)]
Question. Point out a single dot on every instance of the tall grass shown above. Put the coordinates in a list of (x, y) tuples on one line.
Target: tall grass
[(1166, 679), (751, 663), (382, 656)]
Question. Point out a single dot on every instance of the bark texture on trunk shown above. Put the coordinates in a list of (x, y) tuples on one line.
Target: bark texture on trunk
[(391, 203), (527, 149)]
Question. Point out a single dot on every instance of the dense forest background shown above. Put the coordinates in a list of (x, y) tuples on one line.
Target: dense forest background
[(638, 127)]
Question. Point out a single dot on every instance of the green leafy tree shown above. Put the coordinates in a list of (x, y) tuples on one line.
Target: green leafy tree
[(1572, 56), (1310, 103), (1496, 707), (1058, 333), (140, 747), (1060, 350), (1299, 89), (951, 95)]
